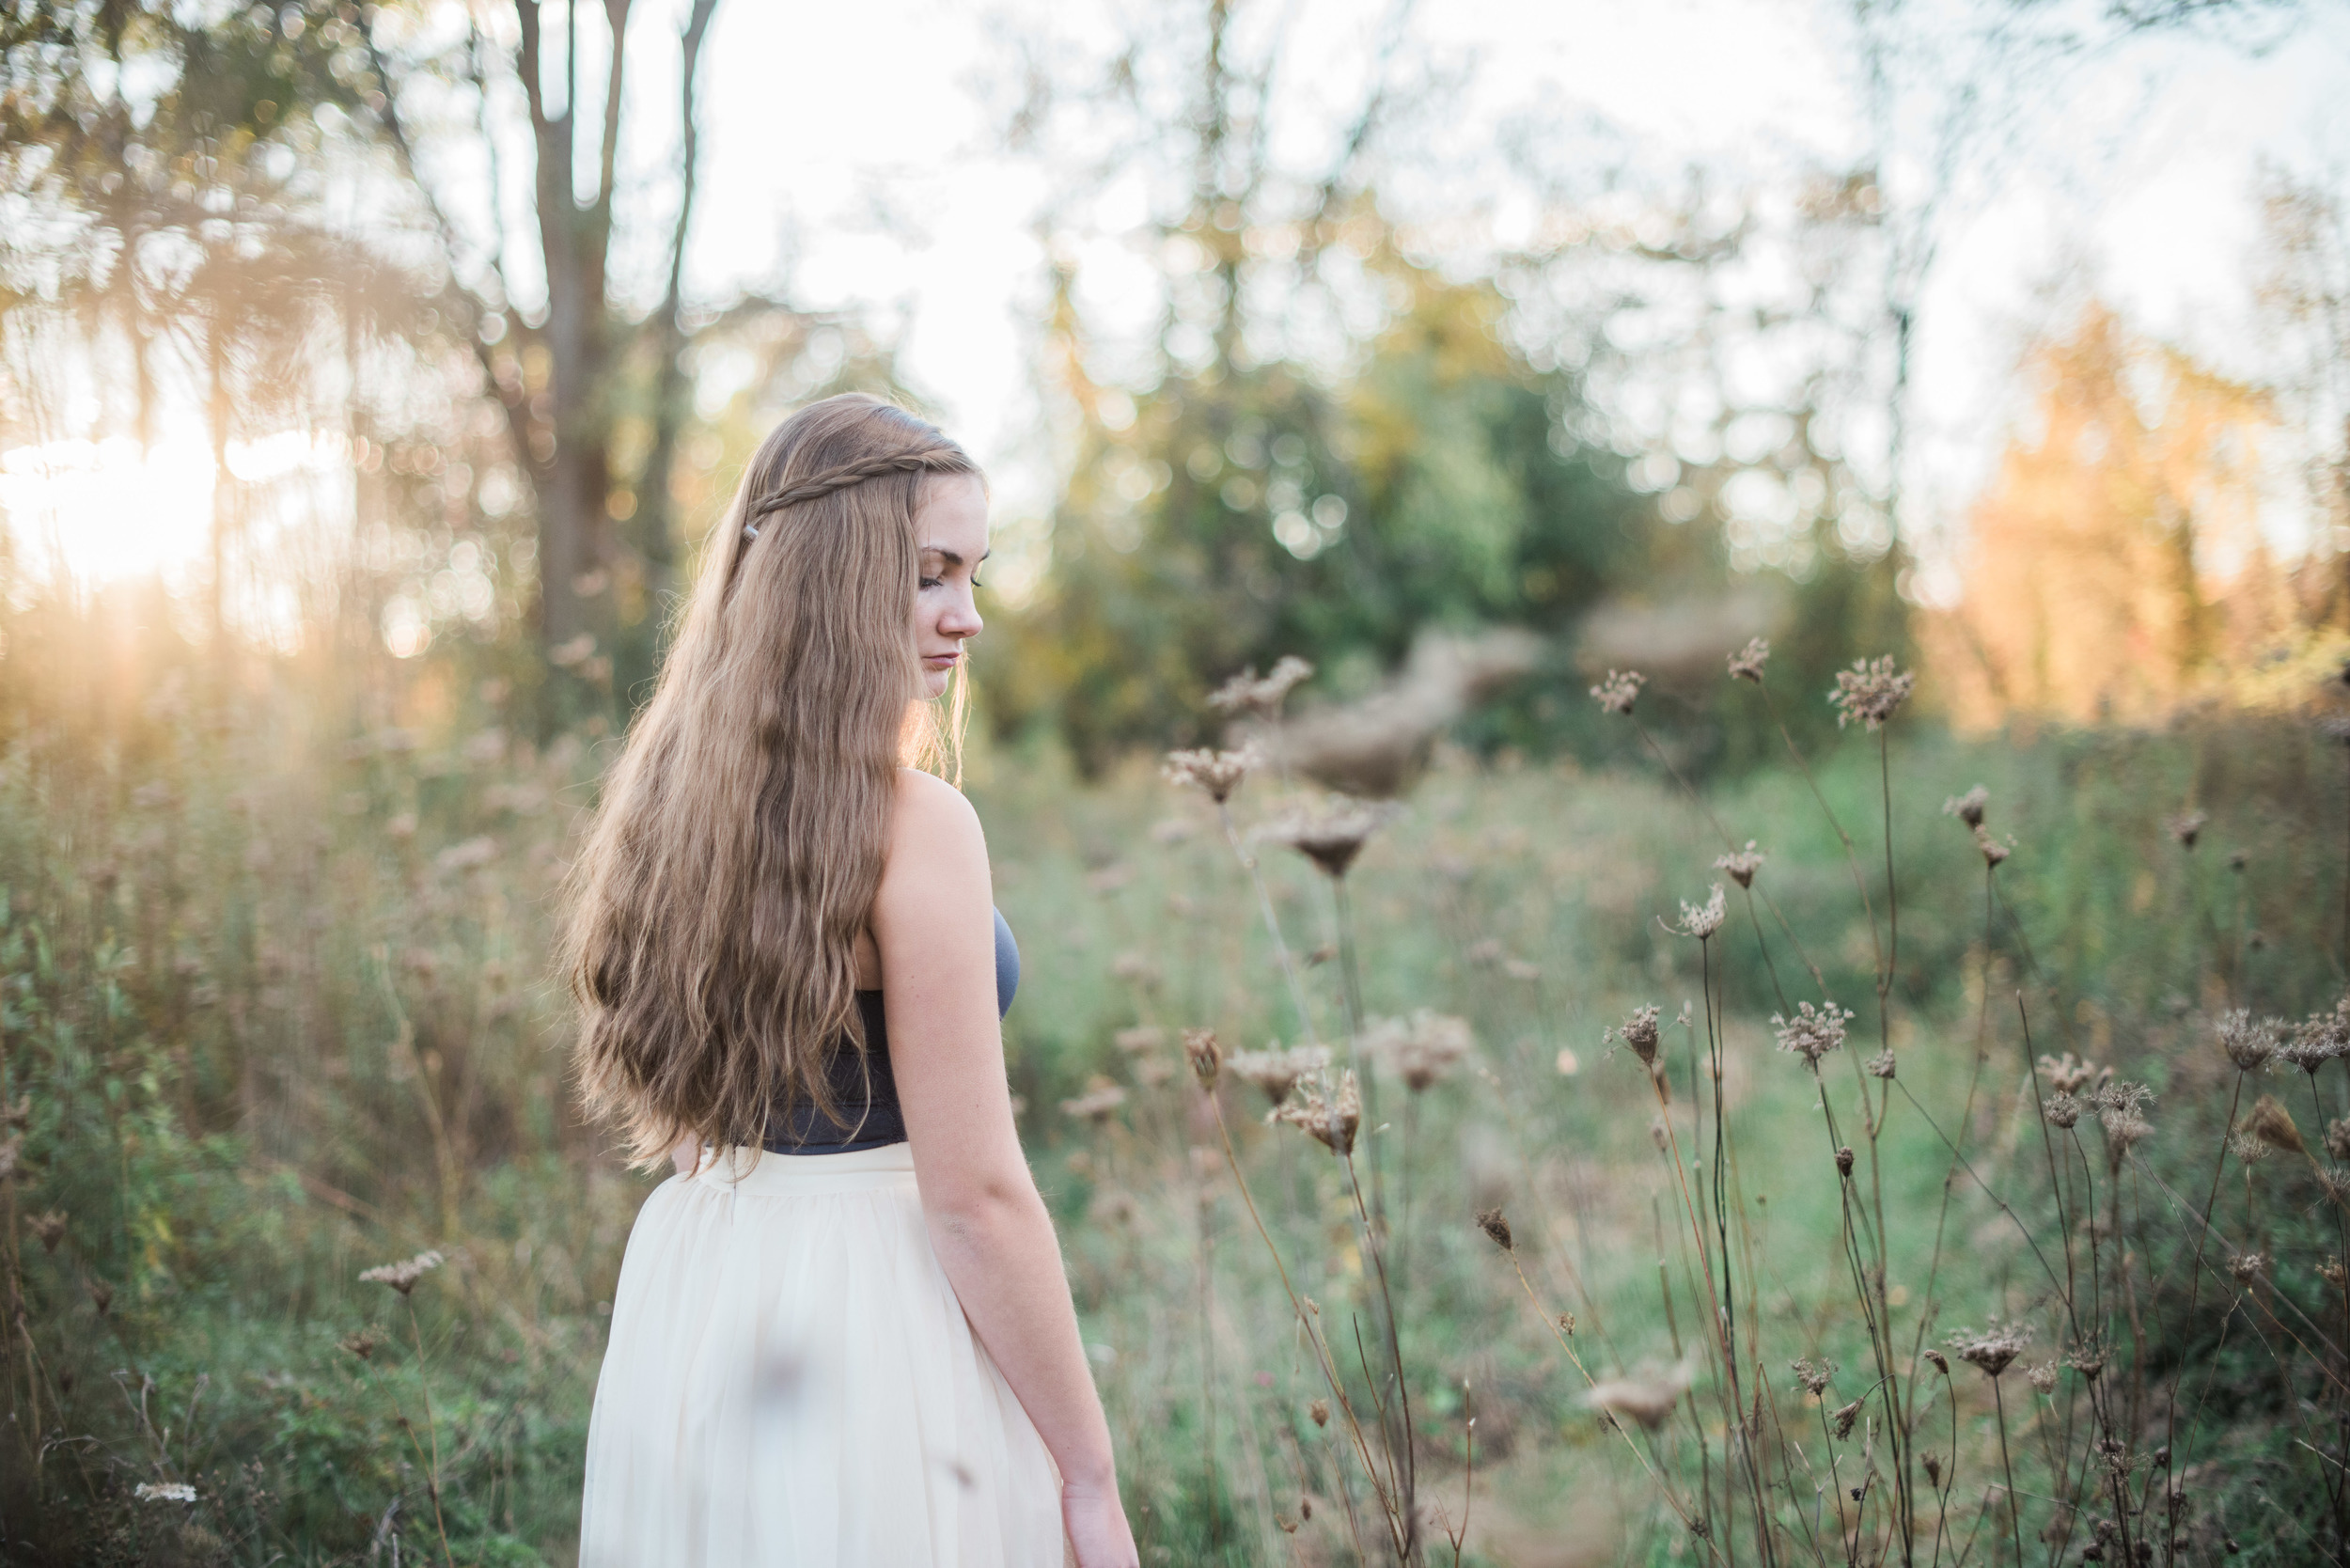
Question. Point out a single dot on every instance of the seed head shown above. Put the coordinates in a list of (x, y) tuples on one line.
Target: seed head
[(2338, 1140), (50, 1228), (2087, 1359), (1869, 692), (1204, 1054), (1330, 834), (2187, 826), (1098, 1104), (1746, 664), (362, 1342), (1275, 1072), (2316, 1039), (2043, 1376), (2269, 1122), (1249, 692), (1703, 921), (1330, 1121), (2331, 1272), (1422, 1048), (1620, 691), (1742, 864), (2246, 1149), (1844, 1418), (1219, 773), (1995, 854), (2248, 1266), (1638, 1030), (169, 1491), (1649, 1399), (2063, 1111), (2066, 1075), (1932, 1462), (1844, 1160), (1491, 1222), (2118, 1111), (1968, 807), (1813, 1034), (403, 1277), (2251, 1042), (1941, 1362), (1320, 1412), (1993, 1349), (1813, 1375), (1881, 1065)]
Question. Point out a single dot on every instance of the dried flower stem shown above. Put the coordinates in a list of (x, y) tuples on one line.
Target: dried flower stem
[(432, 1432), (1272, 921), (2014, 1507), (1305, 1318), (1664, 1487)]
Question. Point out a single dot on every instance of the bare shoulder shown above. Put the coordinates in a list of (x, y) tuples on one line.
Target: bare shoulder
[(930, 818)]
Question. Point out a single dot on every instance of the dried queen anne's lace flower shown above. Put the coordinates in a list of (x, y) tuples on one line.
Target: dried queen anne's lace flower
[(403, 1277), (2251, 1042), (1648, 1400), (1639, 1031), (1995, 1349), (2119, 1112), (1257, 695), (1330, 834), (1330, 1121), (2316, 1039), (1275, 1071), (1620, 691), (1746, 664), (1741, 864), (1869, 692), (1099, 1101), (2066, 1075), (1812, 1033), (1219, 773), (1968, 807), (1205, 1056), (1703, 920), (1423, 1048)]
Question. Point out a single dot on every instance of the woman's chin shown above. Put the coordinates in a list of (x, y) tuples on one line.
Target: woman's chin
[(934, 684)]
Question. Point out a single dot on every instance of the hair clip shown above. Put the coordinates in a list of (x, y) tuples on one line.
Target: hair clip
[(750, 530)]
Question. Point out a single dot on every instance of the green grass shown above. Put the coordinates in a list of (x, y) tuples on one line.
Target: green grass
[(278, 1008)]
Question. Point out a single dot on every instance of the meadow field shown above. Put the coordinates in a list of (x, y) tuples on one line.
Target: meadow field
[(1737, 1280)]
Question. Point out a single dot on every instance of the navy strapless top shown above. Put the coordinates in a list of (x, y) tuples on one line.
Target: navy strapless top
[(873, 1120)]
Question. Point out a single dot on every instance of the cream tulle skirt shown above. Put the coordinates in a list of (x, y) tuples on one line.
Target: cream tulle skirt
[(791, 1383)]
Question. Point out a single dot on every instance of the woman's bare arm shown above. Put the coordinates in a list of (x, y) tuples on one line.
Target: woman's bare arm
[(933, 919)]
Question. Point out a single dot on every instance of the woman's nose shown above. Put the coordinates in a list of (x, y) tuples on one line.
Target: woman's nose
[(962, 619)]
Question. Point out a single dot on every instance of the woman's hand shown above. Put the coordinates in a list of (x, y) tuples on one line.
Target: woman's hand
[(1096, 1523)]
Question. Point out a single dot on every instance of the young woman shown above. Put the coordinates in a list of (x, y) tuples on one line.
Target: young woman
[(843, 1336)]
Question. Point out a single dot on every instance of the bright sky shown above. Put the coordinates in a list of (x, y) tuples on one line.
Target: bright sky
[(808, 110)]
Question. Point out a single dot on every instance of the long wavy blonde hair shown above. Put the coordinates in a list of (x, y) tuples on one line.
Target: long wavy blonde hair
[(714, 911)]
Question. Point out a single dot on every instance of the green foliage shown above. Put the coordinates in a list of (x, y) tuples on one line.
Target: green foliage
[(1245, 513)]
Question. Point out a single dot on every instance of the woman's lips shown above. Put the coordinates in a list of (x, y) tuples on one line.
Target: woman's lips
[(940, 661)]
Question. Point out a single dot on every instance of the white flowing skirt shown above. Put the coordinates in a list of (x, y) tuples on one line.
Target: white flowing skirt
[(791, 1383)]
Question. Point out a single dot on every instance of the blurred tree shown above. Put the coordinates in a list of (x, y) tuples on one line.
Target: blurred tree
[(2304, 290), (1265, 476), (2118, 564), (293, 216)]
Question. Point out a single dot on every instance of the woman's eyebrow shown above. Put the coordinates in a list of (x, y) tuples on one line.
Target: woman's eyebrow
[(948, 556)]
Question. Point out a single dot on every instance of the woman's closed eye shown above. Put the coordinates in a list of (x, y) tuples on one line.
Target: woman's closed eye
[(936, 582)]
